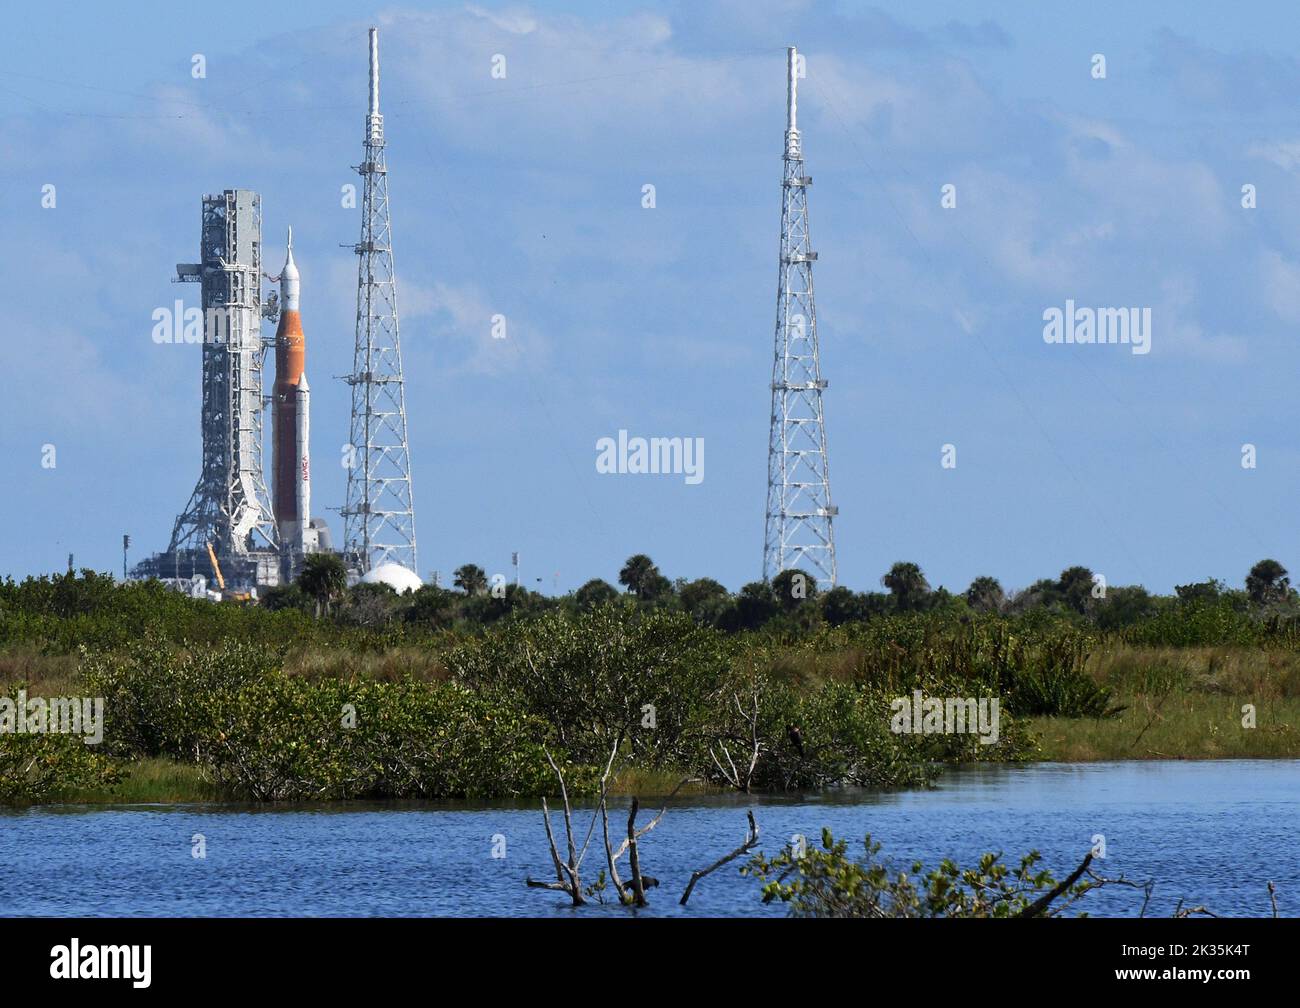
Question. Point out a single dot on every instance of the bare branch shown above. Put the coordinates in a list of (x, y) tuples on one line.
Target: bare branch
[(604, 786), (634, 858), (1195, 910), (610, 858), (574, 884), (732, 778), (751, 841), (655, 821), (1147, 887), (1037, 907), (534, 884), (568, 811), (550, 837)]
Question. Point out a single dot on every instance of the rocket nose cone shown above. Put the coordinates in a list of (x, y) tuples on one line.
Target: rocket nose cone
[(302, 383), (289, 279)]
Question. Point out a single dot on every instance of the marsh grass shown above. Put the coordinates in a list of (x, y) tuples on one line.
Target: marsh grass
[(153, 782), (391, 665), (1254, 672), (1184, 726), (42, 674), (1185, 703), (657, 782)]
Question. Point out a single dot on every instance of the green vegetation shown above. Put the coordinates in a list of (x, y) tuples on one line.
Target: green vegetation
[(826, 882), (323, 692), (1186, 703), (38, 768)]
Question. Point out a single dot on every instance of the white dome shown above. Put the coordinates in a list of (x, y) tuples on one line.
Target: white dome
[(394, 575)]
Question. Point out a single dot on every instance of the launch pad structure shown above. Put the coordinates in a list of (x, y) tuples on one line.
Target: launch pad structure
[(230, 509), (230, 523), (232, 530)]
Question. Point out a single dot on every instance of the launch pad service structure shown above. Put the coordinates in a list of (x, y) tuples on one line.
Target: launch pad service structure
[(229, 514), (232, 530)]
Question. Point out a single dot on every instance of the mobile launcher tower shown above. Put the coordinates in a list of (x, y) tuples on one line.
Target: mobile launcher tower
[(228, 530)]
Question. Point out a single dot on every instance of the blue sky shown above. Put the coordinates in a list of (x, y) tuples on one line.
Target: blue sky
[(522, 197)]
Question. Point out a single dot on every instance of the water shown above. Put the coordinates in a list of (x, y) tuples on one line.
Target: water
[(1209, 833)]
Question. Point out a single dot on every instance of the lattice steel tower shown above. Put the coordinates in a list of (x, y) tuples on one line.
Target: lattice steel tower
[(379, 518), (230, 508), (799, 510)]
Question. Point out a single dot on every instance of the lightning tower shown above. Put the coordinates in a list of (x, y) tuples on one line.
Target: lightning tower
[(230, 509), (798, 532), (379, 517)]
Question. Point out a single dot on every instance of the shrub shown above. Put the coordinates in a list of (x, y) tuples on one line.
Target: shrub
[(826, 882), (38, 768), (640, 674), (280, 738)]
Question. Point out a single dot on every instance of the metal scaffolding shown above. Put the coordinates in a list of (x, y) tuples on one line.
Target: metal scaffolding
[(230, 507), (798, 532), (379, 517)]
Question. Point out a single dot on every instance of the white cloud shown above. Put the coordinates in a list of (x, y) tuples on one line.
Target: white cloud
[(1283, 153), (1280, 280)]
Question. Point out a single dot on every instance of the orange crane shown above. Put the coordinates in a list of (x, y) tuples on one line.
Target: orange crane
[(216, 568), (221, 581)]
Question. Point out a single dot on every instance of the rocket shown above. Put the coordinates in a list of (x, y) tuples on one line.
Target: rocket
[(290, 424)]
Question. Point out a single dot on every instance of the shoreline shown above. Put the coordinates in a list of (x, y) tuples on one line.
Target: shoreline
[(166, 782)]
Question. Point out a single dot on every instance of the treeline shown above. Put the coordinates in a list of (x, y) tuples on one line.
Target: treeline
[(62, 612), (791, 606)]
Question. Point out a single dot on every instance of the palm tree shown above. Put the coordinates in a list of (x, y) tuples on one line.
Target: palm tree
[(1267, 583), (323, 578), (907, 584), (755, 604), (985, 595), (638, 574), (1075, 587), (471, 579)]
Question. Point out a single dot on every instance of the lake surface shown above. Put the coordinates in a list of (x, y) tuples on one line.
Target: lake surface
[(1211, 833)]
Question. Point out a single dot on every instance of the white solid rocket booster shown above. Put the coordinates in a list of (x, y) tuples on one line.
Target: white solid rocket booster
[(302, 481)]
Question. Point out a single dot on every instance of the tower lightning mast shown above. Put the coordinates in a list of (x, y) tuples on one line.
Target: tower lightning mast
[(379, 517), (798, 532)]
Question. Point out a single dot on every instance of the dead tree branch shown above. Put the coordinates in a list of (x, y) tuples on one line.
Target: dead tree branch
[(1036, 908), (628, 890), (751, 841), (1098, 881), (730, 773), (1195, 910), (637, 885), (568, 871)]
